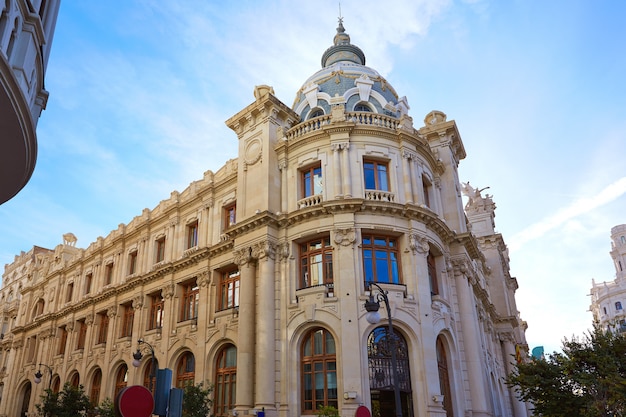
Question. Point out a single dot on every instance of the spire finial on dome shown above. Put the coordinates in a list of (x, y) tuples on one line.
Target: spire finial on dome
[(342, 49)]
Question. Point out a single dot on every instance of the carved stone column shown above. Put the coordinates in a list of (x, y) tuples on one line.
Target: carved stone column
[(407, 170), (245, 335), (265, 252), (471, 338), (337, 168)]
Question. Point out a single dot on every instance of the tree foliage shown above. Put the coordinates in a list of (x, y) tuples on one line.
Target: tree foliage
[(197, 400), (69, 402), (588, 379)]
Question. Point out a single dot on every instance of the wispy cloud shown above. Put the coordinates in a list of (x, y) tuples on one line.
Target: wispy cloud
[(579, 207)]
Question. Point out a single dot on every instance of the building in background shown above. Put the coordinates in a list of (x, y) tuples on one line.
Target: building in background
[(26, 30), (608, 299), (255, 277)]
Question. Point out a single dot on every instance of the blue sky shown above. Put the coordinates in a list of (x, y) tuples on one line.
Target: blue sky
[(140, 91)]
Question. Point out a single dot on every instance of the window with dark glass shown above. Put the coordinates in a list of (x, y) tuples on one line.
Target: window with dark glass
[(132, 262), (192, 235), (82, 334), (432, 274), (127, 320), (185, 370), (444, 378), (62, 340), (149, 376), (229, 290), (160, 249), (75, 380), (96, 382), (190, 300), (88, 281), (225, 381), (108, 274), (376, 175), (121, 379), (312, 181), (316, 263), (319, 371), (70, 292), (103, 327), (381, 259), (427, 188), (230, 215), (362, 107), (618, 305), (157, 303)]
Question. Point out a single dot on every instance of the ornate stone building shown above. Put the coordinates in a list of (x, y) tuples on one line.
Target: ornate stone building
[(255, 277), (608, 299), (26, 30)]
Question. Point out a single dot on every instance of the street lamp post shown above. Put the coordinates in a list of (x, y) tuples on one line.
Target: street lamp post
[(137, 360), (38, 375), (373, 316)]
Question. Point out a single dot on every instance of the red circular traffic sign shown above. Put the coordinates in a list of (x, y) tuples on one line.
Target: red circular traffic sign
[(363, 411), (135, 401)]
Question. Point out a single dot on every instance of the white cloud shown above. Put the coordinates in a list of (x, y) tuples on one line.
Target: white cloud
[(579, 207)]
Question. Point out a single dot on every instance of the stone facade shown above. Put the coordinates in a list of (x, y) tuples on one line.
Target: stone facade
[(608, 299), (26, 30), (258, 273)]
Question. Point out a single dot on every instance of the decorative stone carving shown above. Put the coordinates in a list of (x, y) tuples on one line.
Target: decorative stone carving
[(344, 237), (418, 244), (112, 312), (137, 302), (264, 250), (89, 319), (168, 291), (69, 239), (253, 151), (243, 256), (203, 278)]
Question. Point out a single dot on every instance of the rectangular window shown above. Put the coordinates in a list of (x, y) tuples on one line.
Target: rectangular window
[(192, 235), (108, 274), (376, 176), (70, 292), (427, 188), (432, 274), (156, 311), (132, 262), (127, 320), (103, 327), (316, 263), (88, 281), (160, 249), (190, 301), (229, 290), (32, 349), (381, 259), (230, 215), (62, 340), (312, 181), (82, 334)]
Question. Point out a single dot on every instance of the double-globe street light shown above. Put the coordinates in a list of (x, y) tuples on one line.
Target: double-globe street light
[(373, 316), (39, 375), (137, 356)]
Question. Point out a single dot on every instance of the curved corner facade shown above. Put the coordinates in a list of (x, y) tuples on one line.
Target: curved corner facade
[(255, 277), (26, 30)]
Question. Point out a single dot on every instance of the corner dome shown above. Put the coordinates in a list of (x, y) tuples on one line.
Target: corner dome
[(345, 80)]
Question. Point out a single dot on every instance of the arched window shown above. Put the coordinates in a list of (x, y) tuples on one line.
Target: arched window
[(121, 379), (316, 113), (185, 370), (225, 381), (623, 239), (149, 375), (380, 346), (75, 380), (319, 371), (362, 107), (56, 384), (444, 377), (96, 382)]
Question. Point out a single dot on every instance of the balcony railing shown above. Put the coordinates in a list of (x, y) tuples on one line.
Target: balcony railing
[(313, 200), (378, 195)]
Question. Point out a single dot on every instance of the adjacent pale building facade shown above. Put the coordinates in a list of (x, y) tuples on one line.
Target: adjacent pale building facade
[(255, 277), (608, 299), (26, 30)]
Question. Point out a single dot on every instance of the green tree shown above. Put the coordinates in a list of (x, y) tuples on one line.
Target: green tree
[(197, 400), (327, 411), (106, 408), (69, 402), (588, 379)]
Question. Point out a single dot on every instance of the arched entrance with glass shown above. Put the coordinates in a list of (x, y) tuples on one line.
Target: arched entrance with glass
[(379, 357)]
